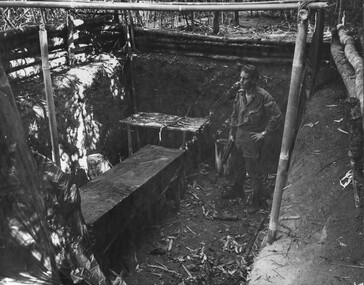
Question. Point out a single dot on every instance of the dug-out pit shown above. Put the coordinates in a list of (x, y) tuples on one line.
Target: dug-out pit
[(93, 100)]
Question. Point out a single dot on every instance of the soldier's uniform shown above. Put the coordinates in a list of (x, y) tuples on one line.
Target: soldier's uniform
[(259, 114)]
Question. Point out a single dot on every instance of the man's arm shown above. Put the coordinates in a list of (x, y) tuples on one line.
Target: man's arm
[(274, 114)]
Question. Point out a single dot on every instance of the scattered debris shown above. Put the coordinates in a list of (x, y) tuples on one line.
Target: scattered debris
[(290, 218), (339, 120), (311, 125), (190, 230), (164, 268), (225, 216), (346, 180), (157, 251), (342, 131)]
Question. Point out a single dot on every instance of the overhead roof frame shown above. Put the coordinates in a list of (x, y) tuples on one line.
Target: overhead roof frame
[(171, 6)]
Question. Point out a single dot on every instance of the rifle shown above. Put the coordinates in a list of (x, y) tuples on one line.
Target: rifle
[(227, 152), (229, 149)]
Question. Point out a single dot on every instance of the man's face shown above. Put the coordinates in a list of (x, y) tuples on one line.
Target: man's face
[(245, 80)]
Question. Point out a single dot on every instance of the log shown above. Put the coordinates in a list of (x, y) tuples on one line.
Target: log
[(27, 45), (21, 63), (258, 44), (145, 33), (210, 50), (14, 38), (29, 30), (344, 67), (355, 60), (19, 55), (261, 45), (35, 69), (355, 153)]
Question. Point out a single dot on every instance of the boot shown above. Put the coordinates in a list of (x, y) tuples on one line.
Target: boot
[(253, 208), (237, 191)]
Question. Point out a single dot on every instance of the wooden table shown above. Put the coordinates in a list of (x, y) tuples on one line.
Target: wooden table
[(164, 122), (114, 200)]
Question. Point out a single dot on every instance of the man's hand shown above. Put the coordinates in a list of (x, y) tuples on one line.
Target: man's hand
[(257, 136)]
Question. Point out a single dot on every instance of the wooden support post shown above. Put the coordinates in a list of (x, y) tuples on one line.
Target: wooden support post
[(130, 140), (184, 140), (131, 30), (131, 66), (49, 94), (290, 122), (216, 23), (70, 41)]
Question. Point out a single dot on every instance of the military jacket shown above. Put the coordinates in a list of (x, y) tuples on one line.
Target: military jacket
[(261, 113)]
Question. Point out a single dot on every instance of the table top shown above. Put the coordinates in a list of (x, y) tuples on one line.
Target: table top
[(170, 122)]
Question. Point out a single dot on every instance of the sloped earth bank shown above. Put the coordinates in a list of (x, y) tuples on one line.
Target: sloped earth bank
[(320, 240)]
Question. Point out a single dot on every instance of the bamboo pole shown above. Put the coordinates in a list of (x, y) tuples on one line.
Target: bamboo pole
[(187, 6), (290, 122), (49, 94)]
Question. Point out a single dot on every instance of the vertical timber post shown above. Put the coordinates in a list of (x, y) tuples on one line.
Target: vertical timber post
[(290, 122), (216, 23), (49, 94), (130, 55), (70, 41)]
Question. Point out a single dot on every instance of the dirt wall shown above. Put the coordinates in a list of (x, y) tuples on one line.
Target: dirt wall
[(195, 87), (91, 100)]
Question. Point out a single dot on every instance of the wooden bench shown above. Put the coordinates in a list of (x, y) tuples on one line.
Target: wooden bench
[(124, 197)]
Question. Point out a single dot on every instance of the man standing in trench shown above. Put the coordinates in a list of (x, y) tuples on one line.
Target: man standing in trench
[(255, 115)]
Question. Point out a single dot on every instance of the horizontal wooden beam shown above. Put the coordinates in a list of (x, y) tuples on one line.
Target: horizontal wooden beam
[(163, 6)]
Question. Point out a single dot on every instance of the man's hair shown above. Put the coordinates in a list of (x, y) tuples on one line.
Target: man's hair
[(252, 70)]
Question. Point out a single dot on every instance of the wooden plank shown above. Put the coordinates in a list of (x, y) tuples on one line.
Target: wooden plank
[(102, 194), (170, 122)]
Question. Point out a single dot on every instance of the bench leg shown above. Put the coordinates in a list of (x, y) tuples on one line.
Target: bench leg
[(130, 140)]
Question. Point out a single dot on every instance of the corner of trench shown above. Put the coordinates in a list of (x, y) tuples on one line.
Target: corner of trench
[(319, 238)]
